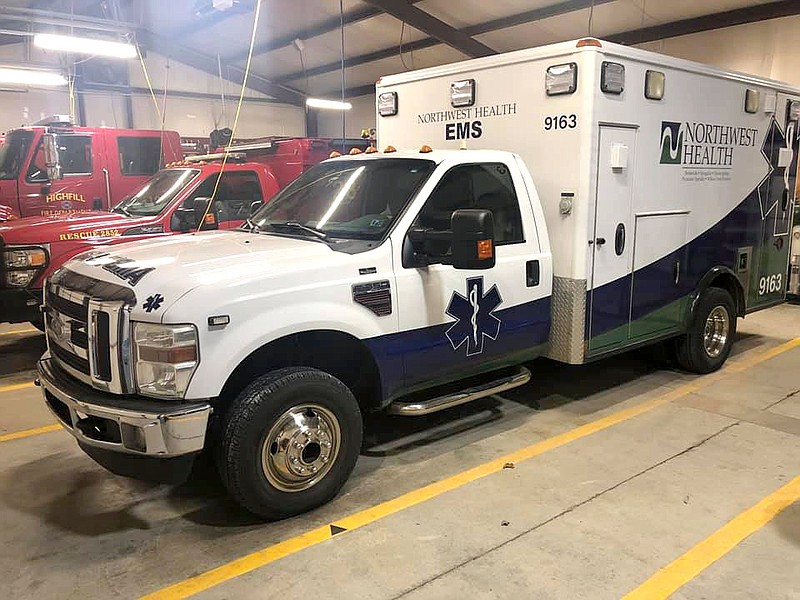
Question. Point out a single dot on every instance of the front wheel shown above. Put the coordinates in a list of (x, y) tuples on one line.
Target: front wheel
[(708, 342), (290, 441)]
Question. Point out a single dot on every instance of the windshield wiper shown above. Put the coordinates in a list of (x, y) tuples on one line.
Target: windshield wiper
[(321, 235), (252, 227), (123, 210)]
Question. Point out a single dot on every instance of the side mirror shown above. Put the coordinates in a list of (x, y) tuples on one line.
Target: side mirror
[(254, 206), (51, 158), (473, 238)]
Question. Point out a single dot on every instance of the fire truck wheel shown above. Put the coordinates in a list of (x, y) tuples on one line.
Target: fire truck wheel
[(712, 329), (39, 324), (289, 442)]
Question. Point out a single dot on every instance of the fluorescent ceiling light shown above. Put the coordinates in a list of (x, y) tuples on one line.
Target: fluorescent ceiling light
[(29, 77), (66, 43), (329, 104)]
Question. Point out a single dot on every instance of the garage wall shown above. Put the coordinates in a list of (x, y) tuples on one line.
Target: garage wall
[(768, 48), (361, 116)]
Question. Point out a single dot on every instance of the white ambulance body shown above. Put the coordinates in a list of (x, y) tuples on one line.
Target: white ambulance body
[(652, 171)]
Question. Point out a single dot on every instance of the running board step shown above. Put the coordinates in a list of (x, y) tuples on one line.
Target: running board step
[(426, 407)]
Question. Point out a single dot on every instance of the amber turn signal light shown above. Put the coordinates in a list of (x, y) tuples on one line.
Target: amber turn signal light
[(485, 249)]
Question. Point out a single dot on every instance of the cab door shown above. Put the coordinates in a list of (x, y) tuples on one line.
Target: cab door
[(82, 187), (454, 322)]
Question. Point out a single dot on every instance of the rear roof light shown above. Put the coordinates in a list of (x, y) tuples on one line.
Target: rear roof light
[(589, 43)]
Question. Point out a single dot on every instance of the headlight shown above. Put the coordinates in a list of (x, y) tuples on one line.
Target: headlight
[(20, 278), (22, 264), (25, 258), (165, 357)]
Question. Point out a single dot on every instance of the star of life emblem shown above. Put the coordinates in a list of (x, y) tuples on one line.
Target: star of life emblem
[(474, 314)]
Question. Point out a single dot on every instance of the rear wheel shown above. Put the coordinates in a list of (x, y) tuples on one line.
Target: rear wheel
[(39, 324), (712, 328), (290, 440)]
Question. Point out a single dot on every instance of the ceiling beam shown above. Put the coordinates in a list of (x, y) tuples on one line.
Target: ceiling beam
[(436, 28), (739, 16), (210, 19), (58, 19), (528, 16), (208, 64)]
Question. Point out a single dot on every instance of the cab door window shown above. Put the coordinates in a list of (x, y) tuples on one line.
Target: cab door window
[(75, 154), (487, 186), (236, 192), (139, 155)]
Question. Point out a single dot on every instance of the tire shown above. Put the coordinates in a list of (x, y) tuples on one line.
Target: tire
[(259, 457), (39, 324), (708, 342)]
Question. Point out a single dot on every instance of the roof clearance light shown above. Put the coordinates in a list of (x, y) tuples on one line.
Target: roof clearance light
[(389, 149), (387, 104), (462, 93), (425, 149), (355, 150), (81, 45), (370, 150), (612, 78), (327, 104), (561, 79), (31, 77), (335, 154), (589, 43)]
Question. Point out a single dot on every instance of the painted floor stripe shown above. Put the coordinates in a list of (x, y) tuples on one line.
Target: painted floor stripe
[(27, 330), (18, 435), (260, 558), (685, 568), (15, 386)]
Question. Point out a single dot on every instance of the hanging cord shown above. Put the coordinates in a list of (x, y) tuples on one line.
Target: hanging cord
[(591, 17), (221, 88), (227, 149), (341, 36), (644, 12), (71, 82), (402, 58)]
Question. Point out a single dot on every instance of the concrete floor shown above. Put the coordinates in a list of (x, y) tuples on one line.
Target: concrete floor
[(592, 518)]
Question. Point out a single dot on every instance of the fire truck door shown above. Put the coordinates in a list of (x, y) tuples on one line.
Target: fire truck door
[(80, 189)]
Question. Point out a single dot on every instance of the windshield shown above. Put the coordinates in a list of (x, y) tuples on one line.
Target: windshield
[(157, 193), (13, 152), (355, 199)]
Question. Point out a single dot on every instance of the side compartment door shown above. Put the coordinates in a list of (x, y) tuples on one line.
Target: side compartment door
[(769, 278), (612, 244), (460, 322)]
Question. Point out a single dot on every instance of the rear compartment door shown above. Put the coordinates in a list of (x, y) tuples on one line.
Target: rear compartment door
[(769, 277), (612, 243)]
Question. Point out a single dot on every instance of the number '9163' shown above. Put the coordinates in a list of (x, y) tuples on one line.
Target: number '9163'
[(560, 122), (770, 284)]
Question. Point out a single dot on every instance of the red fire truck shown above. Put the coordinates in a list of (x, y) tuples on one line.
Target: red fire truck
[(90, 168), (172, 201)]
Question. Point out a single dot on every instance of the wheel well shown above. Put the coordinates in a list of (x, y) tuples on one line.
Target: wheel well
[(731, 284), (338, 354)]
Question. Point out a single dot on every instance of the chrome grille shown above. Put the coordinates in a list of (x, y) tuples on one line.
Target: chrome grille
[(87, 334)]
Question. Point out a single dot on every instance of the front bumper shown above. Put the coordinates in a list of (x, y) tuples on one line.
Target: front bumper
[(123, 424), (18, 305)]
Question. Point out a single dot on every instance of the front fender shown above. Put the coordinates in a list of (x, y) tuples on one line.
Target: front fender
[(222, 349)]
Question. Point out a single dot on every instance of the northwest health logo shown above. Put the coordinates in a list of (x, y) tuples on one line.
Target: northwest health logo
[(671, 143)]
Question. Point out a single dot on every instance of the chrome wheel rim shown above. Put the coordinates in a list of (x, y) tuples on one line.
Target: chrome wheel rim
[(717, 329), (301, 447)]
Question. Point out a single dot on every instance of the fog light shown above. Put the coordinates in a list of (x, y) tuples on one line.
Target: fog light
[(133, 438)]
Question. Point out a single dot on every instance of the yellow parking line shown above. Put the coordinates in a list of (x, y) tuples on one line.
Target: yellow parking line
[(20, 331), (15, 386), (17, 435), (270, 554), (685, 568)]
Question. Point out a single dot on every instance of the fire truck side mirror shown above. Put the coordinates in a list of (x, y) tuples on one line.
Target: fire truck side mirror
[(51, 158), (254, 206)]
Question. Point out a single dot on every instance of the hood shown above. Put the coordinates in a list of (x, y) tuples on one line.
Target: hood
[(171, 267), (46, 230)]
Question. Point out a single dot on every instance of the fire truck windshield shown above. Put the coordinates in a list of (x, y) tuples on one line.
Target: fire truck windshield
[(13, 153), (157, 193)]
